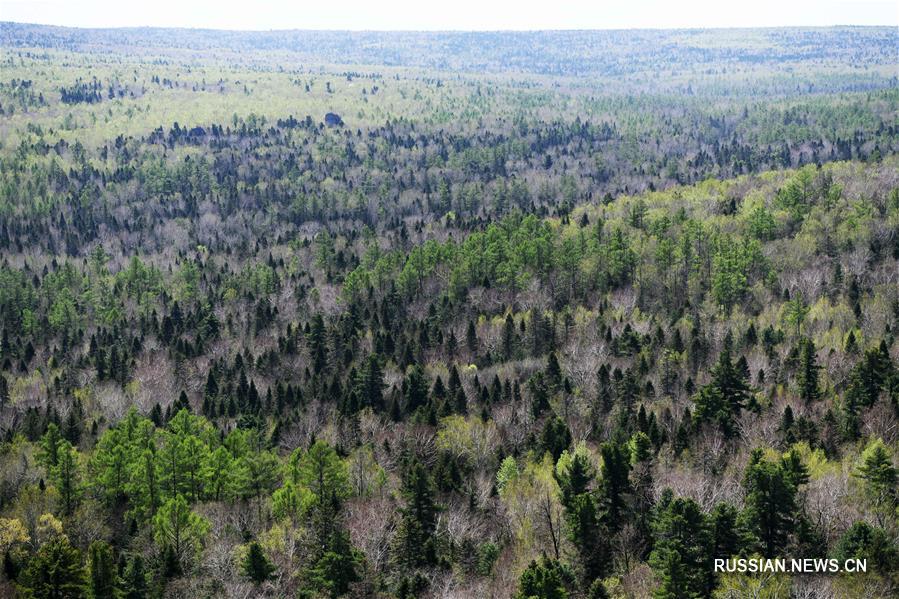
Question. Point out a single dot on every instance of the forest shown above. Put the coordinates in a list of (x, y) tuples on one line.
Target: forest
[(552, 315)]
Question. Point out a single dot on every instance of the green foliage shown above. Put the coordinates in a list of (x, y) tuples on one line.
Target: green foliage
[(55, 572), (771, 500), (469, 276), (556, 437), (256, 565), (733, 266), (416, 543), (879, 477), (863, 541), (104, 579), (543, 580), (179, 532), (682, 554), (721, 401)]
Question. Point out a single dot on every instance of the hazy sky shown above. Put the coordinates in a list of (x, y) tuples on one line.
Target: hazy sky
[(450, 14)]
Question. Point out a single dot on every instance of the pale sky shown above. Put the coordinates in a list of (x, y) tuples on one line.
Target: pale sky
[(450, 14)]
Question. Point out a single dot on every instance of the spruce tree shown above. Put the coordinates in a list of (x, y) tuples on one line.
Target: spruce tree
[(807, 376), (770, 502), (416, 544)]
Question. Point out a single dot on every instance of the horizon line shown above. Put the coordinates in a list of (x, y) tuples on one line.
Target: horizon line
[(353, 30)]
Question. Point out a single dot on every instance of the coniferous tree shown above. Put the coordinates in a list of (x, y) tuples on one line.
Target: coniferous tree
[(575, 476), (55, 572), (556, 437), (771, 508), (682, 550), (103, 576), (416, 389), (807, 377), (615, 486), (544, 580), (416, 544), (134, 579), (371, 384), (256, 566), (721, 401), (879, 476)]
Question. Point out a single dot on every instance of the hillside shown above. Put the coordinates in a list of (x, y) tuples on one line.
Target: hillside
[(536, 318)]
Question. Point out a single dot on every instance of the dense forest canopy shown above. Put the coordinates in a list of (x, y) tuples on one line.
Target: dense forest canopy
[(548, 314)]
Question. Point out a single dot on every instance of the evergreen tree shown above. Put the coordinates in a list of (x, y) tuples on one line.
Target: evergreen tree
[(134, 579), (615, 485), (371, 384), (542, 580), (508, 338), (316, 340), (416, 388), (416, 544), (721, 401), (337, 568), (880, 478), (555, 438), (807, 377), (770, 503), (728, 535), (589, 537), (66, 476), (324, 474), (103, 576), (4, 392), (682, 554), (863, 541), (55, 572), (256, 565), (179, 532)]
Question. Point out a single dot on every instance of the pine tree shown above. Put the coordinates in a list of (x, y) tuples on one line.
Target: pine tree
[(770, 502), (103, 577), (615, 485), (556, 437), (508, 338), (682, 552), (807, 377), (542, 580), (471, 338), (256, 565), (66, 476), (338, 566), (324, 474), (728, 535), (863, 541), (539, 394), (178, 531), (48, 452), (371, 384), (416, 388), (575, 477), (880, 478), (674, 581), (55, 572), (721, 401), (257, 475), (134, 579), (316, 340), (4, 392), (416, 544), (553, 371)]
